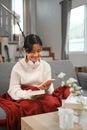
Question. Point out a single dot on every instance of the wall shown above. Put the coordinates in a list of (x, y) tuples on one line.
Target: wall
[(78, 59), (48, 24), (29, 16)]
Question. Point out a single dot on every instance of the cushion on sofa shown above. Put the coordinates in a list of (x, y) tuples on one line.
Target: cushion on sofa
[(5, 71), (64, 66), (2, 117), (82, 77)]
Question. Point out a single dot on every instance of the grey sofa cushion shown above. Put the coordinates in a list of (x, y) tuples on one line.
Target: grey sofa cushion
[(65, 66), (82, 78), (2, 114), (2, 117), (5, 70)]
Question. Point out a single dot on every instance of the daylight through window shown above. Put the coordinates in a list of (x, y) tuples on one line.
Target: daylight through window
[(77, 32)]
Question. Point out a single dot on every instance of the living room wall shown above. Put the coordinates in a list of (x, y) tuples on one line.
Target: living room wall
[(48, 24)]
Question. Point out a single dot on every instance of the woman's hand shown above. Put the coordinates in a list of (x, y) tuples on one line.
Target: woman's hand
[(45, 85)]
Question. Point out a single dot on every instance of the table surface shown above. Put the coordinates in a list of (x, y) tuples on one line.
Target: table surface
[(47, 121)]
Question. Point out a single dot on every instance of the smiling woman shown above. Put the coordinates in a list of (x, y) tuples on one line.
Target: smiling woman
[(29, 71), (33, 48), (29, 75)]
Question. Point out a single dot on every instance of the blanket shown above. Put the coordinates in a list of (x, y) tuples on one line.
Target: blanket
[(26, 107)]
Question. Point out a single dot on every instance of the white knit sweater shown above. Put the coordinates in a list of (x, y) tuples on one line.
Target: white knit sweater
[(25, 74)]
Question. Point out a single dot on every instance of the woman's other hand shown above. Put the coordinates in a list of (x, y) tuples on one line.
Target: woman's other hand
[(45, 85)]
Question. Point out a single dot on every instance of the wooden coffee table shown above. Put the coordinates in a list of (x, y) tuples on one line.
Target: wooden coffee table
[(47, 121)]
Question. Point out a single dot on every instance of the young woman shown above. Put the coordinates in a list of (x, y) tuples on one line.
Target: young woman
[(28, 75), (30, 71)]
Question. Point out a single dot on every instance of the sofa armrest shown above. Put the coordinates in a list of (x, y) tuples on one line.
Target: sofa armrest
[(82, 79)]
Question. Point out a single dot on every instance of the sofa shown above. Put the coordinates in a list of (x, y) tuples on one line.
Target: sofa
[(57, 66)]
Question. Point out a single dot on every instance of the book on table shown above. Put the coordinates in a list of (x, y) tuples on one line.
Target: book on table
[(74, 103)]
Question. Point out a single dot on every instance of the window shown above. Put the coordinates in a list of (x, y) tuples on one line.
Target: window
[(17, 7), (77, 32)]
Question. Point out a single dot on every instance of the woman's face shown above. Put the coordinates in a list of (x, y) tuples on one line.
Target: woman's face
[(35, 54)]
